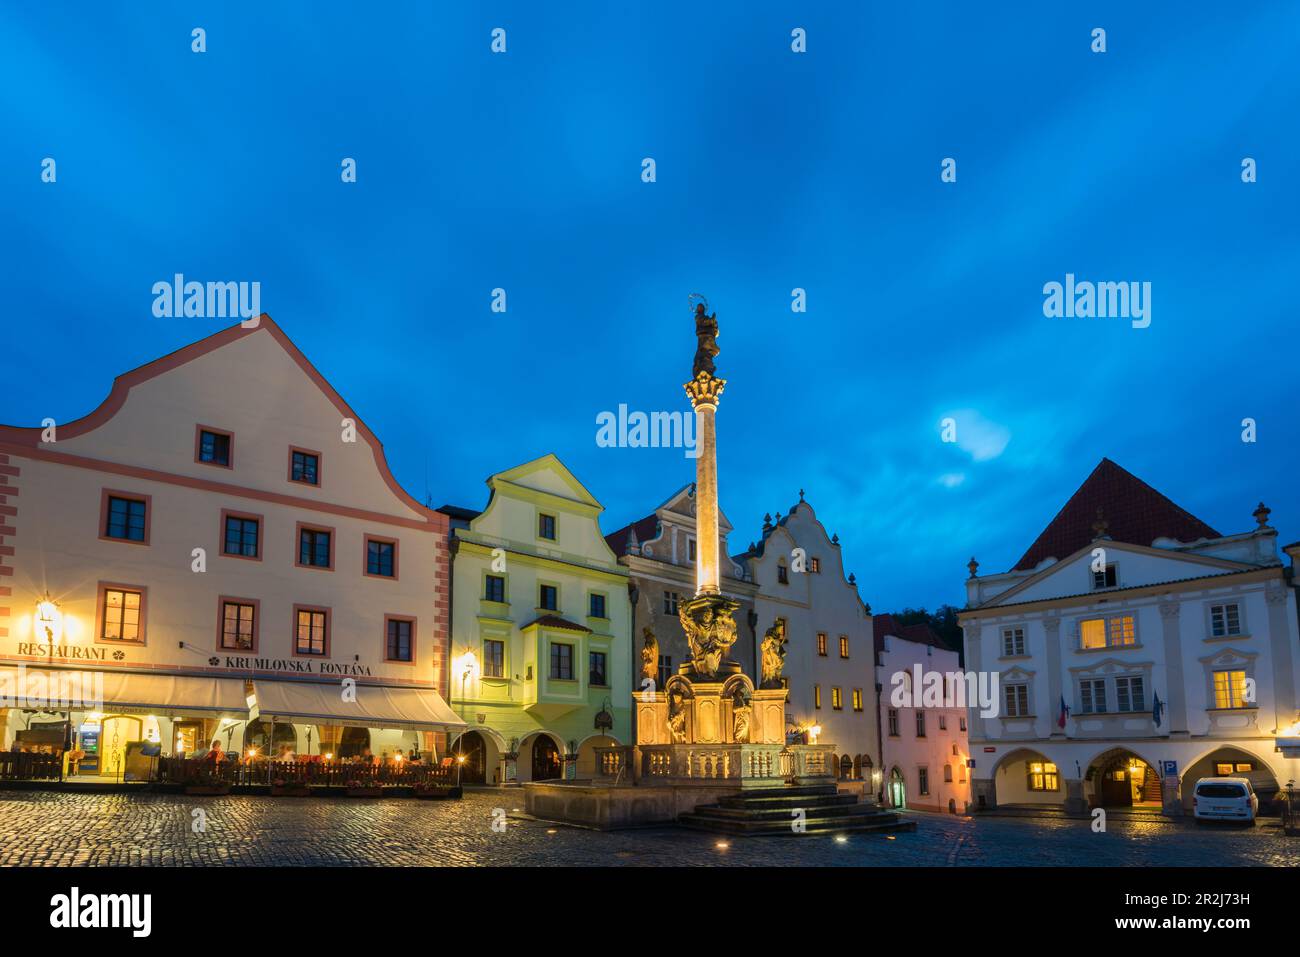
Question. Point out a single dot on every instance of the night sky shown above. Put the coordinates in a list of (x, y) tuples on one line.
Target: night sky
[(775, 170)]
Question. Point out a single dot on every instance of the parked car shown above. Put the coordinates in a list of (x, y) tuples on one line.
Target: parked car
[(1224, 799)]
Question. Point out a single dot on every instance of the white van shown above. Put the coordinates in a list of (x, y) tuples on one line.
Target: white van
[(1224, 799)]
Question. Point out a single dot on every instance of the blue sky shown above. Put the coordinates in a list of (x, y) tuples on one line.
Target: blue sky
[(774, 171)]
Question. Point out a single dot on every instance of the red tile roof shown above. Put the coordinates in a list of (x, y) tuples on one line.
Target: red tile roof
[(1135, 513), (921, 633), (645, 531)]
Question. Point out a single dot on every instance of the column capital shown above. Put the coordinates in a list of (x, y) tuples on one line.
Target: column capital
[(704, 389)]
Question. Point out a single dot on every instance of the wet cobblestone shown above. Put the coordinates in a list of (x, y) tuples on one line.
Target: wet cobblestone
[(55, 829)]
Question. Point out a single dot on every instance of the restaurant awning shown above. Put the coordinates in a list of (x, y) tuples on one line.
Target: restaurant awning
[(125, 693), (418, 709)]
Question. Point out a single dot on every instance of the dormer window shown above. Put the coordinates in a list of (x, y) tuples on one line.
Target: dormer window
[(1106, 578), (782, 574)]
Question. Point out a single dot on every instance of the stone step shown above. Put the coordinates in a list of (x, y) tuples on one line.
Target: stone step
[(791, 790), (852, 824), (789, 801), (785, 814)]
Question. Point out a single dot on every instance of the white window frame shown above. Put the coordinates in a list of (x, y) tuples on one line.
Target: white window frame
[(1009, 634), (1225, 605)]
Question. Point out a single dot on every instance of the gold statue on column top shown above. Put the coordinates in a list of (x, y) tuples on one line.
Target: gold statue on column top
[(706, 332)]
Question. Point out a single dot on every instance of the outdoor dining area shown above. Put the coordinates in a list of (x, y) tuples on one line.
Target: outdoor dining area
[(301, 775)]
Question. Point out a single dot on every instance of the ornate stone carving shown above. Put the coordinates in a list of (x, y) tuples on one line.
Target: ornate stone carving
[(773, 656), (677, 714), (740, 715), (710, 625), (1170, 609), (704, 389), (649, 658)]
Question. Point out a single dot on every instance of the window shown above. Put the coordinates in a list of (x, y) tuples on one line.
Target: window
[(815, 565), (923, 780), (961, 724), (1043, 776), (1015, 698), (1013, 641), (596, 666), (312, 638), (782, 574), (241, 536), (1112, 632), (494, 658), (821, 643), (126, 519), (844, 646), (1230, 689), (943, 722), (400, 645), (670, 602), (596, 603), (561, 661), (238, 625), (494, 588), (304, 467), (920, 723), (817, 696), (665, 669), (1105, 578), (1225, 620), (1129, 694), (947, 774), (1092, 696), (122, 615), (314, 547), (213, 447), (546, 527), (1223, 770), (381, 558), (857, 699), (837, 700), (893, 722), (690, 550), (548, 597)]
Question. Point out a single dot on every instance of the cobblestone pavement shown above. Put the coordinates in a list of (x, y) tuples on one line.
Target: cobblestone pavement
[(49, 829)]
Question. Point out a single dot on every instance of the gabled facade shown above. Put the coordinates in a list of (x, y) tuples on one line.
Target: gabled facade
[(223, 529), (924, 745), (1136, 663), (829, 664), (659, 553), (541, 630)]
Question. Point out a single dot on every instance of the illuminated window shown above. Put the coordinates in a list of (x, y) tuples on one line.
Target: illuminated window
[(821, 643), (817, 696), (122, 615), (238, 623), (312, 632), (1230, 689), (1223, 770), (844, 646), (837, 700), (1113, 632), (815, 565), (1245, 766), (1043, 776), (857, 699), (1225, 620)]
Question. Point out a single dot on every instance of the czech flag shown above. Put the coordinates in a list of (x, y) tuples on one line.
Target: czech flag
[(1065, 713), (1157, 709)]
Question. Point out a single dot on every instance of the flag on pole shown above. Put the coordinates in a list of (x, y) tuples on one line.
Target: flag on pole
[(1157, 709), (1065, 713)]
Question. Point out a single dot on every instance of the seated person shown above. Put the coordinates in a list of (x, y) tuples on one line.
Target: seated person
[(214, 753)]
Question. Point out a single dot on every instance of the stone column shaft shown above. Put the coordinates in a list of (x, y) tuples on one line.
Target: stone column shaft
[(707, 580)]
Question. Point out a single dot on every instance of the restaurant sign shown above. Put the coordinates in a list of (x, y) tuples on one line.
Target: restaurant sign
[(72, 652), (301, 666)]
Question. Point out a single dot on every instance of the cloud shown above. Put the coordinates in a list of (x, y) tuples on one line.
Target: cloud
[(977, 436), (952, 479)]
